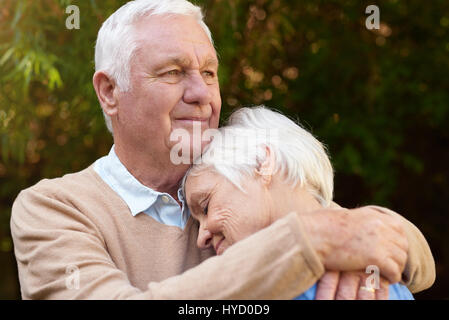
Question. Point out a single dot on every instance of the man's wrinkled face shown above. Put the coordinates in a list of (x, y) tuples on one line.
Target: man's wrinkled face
[(226, 214), (174, 83)]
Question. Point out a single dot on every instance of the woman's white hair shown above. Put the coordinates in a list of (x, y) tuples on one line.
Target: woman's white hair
[(116, 44), (241, 147)]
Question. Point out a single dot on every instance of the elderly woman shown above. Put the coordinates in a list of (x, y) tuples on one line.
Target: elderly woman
[(259, 166)]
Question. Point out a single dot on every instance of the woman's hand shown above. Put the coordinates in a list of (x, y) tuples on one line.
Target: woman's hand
[(350, 285)]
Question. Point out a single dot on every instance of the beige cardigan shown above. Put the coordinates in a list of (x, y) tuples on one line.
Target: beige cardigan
[(75, 238)]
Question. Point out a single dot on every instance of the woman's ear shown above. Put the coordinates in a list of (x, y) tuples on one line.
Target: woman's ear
[(266, 169), (105, 87)]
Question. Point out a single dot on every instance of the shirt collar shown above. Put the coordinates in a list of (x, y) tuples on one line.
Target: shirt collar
[(137, 196)]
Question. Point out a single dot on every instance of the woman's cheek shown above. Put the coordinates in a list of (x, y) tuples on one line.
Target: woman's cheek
[(234, 229), (217, 221), (214, 223)]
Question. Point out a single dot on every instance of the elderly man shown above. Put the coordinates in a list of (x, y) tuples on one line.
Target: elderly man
[(120, 228)]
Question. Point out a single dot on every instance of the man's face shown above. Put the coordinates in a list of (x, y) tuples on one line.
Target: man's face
[(174, 84)]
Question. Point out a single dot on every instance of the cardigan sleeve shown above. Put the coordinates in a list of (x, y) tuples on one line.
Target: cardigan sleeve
[(50, 235)]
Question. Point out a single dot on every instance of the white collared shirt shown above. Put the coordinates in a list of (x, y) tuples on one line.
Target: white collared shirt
[(139, 198)]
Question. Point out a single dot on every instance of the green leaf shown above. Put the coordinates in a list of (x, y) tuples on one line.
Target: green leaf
[(54, 79), (19, 11), (6, 56)]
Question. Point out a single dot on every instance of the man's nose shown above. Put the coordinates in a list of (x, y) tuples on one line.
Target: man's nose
[(197, 91), (204, 240)]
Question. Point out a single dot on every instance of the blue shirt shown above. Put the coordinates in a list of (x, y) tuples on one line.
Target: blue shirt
[(139, 198), (396, 291)]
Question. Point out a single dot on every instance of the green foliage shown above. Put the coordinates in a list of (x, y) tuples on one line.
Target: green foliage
[(378, 99)]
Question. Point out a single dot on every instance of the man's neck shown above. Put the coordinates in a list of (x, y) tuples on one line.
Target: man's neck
[(160, 175)]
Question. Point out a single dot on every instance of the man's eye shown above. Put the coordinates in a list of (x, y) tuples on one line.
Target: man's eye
[(205, 210), (209, 74), (210, 77), (174, 72)]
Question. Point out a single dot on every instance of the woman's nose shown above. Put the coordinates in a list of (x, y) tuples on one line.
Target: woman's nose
[(204, 240)]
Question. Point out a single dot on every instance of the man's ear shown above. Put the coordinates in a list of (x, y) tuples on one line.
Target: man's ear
[(266, 169), (106, 88)]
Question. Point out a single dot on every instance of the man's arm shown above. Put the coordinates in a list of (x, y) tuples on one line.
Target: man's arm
[(49, 235), (278, 262), (419, 273)]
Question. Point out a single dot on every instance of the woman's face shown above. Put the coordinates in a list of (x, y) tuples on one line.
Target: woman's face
[(226, 214)]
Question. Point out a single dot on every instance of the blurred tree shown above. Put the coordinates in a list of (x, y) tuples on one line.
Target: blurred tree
[(378, 98)]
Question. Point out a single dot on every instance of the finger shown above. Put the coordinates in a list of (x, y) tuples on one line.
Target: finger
[(400, 256), (397, 224), (327, 286), (391, 271), (348, 286), (394, 264), (400, 240), (382, 292), (365, 291)]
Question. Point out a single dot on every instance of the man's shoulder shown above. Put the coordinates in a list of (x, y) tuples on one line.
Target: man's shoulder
[(75, 196), (70, 186), (75, 201), (71, 181)]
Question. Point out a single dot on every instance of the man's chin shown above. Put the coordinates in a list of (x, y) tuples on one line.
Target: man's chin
[(187, 147), (192, 126), (185, 153)]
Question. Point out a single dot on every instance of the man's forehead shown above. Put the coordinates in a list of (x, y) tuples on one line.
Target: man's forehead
[(186, 60), (181, 28), (178, 58), (176, 47), (161, 55)]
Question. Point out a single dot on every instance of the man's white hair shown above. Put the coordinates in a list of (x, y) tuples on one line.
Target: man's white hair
[(299, 157), (116, 43)]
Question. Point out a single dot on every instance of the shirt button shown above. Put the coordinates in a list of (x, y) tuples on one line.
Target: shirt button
[(165, 199)]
